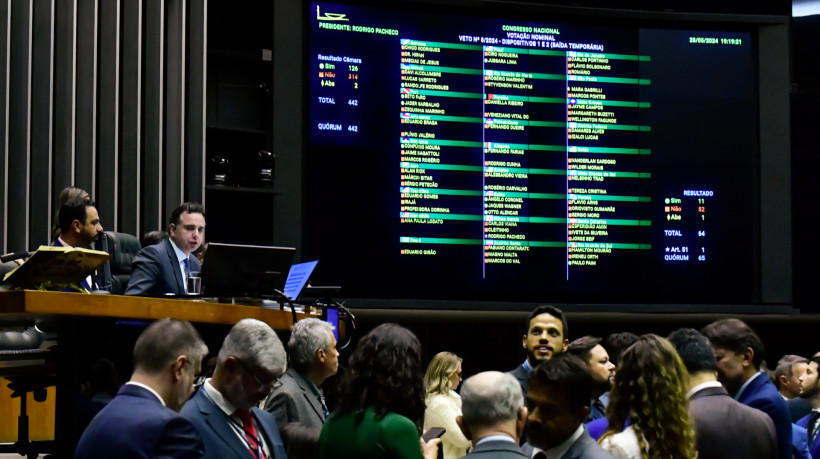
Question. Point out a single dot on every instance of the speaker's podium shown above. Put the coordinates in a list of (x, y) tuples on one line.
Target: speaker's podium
[(78, 315)]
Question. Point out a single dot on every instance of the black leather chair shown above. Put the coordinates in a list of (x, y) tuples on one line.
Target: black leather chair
[(122, 247)]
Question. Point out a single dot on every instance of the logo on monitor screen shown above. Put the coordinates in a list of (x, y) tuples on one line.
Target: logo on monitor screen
[(330, 16)]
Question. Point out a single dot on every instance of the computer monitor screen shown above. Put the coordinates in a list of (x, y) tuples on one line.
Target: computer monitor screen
[(233, 270)]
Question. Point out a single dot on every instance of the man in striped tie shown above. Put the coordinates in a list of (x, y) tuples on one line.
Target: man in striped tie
[(225, 409)]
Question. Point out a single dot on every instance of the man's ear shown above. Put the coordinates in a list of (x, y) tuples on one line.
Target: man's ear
[(521, 422), (320, 354), (464, 429), (76, 226), (524, 341), (172, 229), (566, 345), (178, 365), (783, 380), (748, 357)]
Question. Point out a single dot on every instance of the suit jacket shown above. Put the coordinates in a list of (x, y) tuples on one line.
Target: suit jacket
[(155, 271), (727, 428), (522, 376), (762, 394), (136, 425), (800, 443), (293, 400), (102, 276), (220, 440), (814, 447), (585, 447), (497, 449)]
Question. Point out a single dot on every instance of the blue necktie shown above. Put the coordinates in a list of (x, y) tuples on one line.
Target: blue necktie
[(187, 265)]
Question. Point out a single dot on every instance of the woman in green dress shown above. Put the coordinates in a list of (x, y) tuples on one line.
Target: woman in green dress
[(382, 397)]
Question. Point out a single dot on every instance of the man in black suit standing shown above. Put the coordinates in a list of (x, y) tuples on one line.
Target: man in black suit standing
[(724, 427), (493, 415), (546, 336), (163, 268)]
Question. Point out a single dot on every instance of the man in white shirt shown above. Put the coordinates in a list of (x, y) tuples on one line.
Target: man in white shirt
[(142, 420), (493, 415), (225, 409)]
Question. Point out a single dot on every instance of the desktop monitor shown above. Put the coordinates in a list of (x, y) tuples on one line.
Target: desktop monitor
[(233, 270)]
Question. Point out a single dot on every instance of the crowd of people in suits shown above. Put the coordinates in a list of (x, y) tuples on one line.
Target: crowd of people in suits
[(691, 394)]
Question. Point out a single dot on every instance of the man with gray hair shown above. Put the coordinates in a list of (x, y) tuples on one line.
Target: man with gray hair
[(142, 420), (493, 415), (225, 410), (298, 397)]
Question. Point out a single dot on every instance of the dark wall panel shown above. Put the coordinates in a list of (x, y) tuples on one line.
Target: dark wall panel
[(42, 107), (92, 94)]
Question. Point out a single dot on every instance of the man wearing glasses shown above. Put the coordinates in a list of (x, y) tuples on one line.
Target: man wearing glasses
[(225, 409), (163, 268)]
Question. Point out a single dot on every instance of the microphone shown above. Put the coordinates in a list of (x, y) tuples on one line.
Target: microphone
[(14, 256)]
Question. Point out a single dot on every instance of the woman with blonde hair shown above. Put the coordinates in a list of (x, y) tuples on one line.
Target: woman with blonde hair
[(444, 404), (649, 391)]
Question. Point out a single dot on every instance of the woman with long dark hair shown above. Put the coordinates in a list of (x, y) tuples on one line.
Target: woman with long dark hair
[(382, 397), (650, 390)]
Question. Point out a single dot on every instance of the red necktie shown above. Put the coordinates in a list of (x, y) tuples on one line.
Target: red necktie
[(250, 432)]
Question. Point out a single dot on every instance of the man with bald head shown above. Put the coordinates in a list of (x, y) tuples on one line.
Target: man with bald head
[(493, 415)]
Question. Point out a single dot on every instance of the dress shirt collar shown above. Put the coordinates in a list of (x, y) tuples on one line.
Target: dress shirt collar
[(527, 366), (218, 398), (134, 383), (498, 437), (702, 385), (560, 450), (180, 254), (745, 385)]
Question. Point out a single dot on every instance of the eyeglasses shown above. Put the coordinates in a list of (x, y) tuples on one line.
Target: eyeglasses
[(260, 384)]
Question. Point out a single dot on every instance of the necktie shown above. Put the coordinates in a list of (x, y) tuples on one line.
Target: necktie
[(811, 427), (250, 433), (324, 405), (187, 265)]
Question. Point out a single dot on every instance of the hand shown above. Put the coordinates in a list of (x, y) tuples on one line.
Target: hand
[(429, 450)]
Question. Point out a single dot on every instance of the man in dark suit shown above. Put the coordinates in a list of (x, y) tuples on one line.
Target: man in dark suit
[(493, 415), (546, 336), (810, 384), (298, 396), (558, 402), (80, 227), (224, 410), (589, 349), (724, 427), (163, 268), (739, 354), (142, 420)]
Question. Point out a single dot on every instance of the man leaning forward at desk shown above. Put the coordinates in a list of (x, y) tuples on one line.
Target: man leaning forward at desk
[(225, 409), (163, 268), (142, 420)]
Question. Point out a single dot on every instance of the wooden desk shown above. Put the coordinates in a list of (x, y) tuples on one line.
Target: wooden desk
[(72, 312), (21, 304)]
